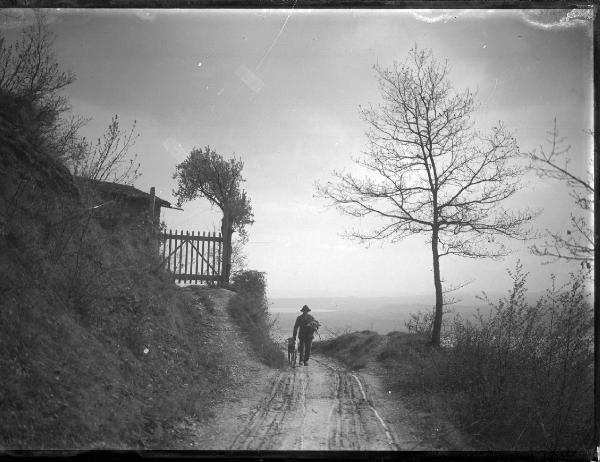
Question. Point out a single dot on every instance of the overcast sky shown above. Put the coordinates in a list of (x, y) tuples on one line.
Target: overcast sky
[(281, 90)]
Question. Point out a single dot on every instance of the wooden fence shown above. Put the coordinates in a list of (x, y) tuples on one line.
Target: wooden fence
[(192, 258)]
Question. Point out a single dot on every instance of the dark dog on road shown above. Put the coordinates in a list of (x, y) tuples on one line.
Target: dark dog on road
[(291, 351)]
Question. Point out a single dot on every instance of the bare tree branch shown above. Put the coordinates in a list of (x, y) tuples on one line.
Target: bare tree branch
[(109, 159), (577, 244)]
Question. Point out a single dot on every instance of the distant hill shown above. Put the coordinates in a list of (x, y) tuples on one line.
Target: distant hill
[(338, 316), (467, 298)]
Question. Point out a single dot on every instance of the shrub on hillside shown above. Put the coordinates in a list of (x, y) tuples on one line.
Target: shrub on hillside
[(31, 95), (401, 343), (421, 323), (253, 285), (525, 372), (249, 309), (33, 79)]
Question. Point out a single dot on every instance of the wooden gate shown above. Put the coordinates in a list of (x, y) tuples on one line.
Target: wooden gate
[(192, 258)]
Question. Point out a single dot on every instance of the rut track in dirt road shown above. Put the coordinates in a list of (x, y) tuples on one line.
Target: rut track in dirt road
[(319, 407)]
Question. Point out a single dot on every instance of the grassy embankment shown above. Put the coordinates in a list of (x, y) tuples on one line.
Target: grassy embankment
[(249, 309), (98, 347), (518, 379)]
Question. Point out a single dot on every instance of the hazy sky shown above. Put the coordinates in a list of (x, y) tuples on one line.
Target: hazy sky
[(281, 90)]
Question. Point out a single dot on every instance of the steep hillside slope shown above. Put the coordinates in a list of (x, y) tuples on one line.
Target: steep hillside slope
[(98, 347)]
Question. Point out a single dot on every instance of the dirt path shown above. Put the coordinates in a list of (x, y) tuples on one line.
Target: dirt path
[(319, 407)]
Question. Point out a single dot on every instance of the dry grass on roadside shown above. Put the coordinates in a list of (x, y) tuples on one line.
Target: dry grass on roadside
[(353, 349)]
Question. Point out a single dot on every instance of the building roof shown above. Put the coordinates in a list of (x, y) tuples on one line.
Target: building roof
[(129, 192)]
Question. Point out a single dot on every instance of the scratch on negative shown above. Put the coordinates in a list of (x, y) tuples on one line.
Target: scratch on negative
[(276, 37)]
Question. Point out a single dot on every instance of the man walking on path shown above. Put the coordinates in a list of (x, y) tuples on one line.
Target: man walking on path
[(305, 327)]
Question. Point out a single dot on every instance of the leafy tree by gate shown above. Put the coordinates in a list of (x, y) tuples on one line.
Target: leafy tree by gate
[(430, 172), (205, 173)]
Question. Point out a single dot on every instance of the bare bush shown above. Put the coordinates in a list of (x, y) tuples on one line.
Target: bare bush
[(29, 68), (526, 369), (32, 84), (421, 323), (109, 159), (239, 259), (30, 75)]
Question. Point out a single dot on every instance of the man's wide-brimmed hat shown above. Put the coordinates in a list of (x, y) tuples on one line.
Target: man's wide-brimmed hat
[(305, 309)]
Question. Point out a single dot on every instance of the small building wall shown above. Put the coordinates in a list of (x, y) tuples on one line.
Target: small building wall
[(133, 215), (123, 212), (123, 207)]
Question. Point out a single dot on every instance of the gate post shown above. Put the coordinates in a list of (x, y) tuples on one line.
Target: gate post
[(154, 226), (152, 202)]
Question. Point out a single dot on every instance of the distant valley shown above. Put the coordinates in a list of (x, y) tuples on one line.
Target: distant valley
[(348, 314)]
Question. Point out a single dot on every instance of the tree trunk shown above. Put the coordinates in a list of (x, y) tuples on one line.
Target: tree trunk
[(439, 297), (226, 234)]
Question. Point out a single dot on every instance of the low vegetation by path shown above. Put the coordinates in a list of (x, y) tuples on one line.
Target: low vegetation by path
[(518, 378), (397, 360)]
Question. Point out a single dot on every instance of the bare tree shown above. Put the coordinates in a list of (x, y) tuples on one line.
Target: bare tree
[(577, 244), (207, 174), (109, 159), (428, 170)]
